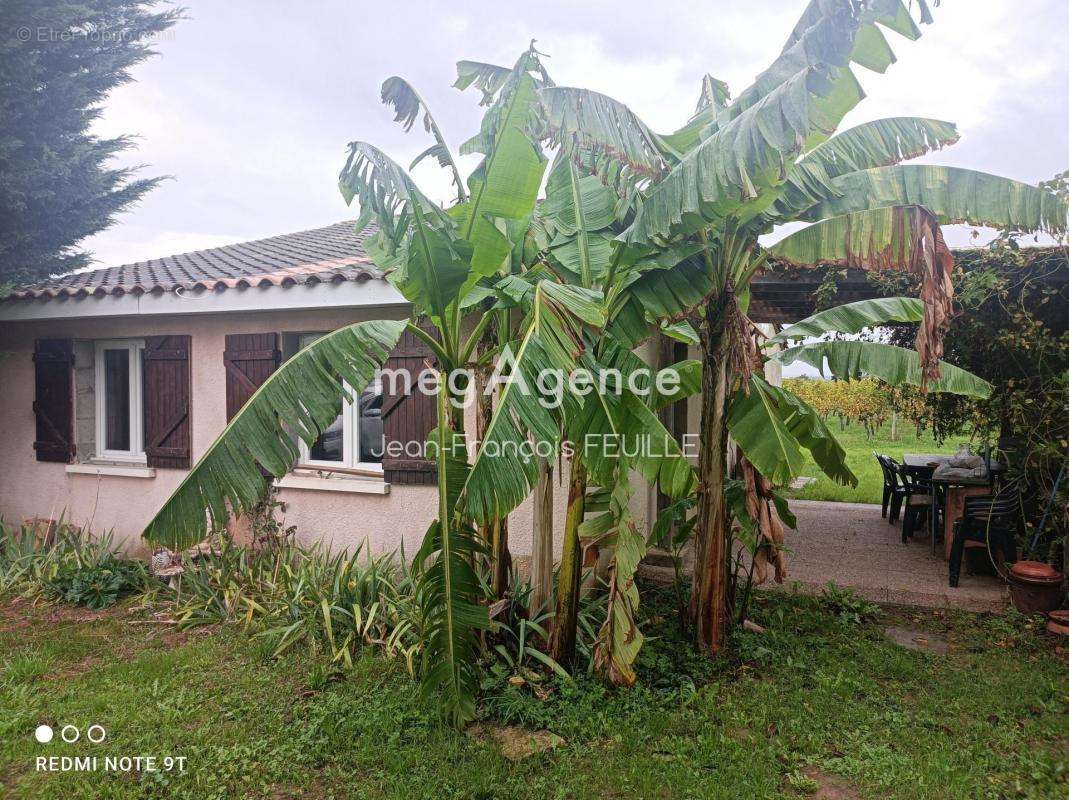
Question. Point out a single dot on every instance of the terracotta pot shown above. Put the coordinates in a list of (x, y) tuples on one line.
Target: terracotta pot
[(1058, 623), (1035, 587)]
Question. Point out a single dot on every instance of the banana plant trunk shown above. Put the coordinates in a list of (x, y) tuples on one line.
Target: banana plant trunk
[(709, 600), (495, 533), (562, 646), (500, 556), (542, 544)]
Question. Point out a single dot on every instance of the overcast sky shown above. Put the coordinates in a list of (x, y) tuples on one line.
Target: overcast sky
[(249, 105)]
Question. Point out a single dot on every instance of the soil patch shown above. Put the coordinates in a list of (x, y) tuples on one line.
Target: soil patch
[(831, 787), (913, 639), (516, 743)]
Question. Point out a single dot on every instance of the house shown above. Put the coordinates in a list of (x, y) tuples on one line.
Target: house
[(114, 382)]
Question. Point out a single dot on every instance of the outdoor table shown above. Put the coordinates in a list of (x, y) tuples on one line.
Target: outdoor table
[(923, 467)]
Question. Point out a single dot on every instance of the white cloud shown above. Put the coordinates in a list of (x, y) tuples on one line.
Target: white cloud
[(250, 111)]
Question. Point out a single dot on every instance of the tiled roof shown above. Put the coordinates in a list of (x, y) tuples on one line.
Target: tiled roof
[(324, 255)]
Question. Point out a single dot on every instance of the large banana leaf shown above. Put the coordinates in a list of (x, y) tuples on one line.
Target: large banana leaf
[(487, 78), (745, 157), (505, 470), (756, 424), (689, 373), (407, 103), (870, 144), (831, 34), (877, 239), (659, 294), (619, 426), (301, 398), (809, 428), (791, 107), (576, 208), (651, 450), (386, 192), (894, 365), (952, 194), (854, 318), (506, 183), (774, 426), (504, 186), (583, 121), (881, 142), (619, 639), (429, 262), (449, 588), (491, 79), (574, 201)]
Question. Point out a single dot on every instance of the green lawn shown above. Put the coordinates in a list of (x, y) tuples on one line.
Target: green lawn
[(859, 455), (816, 702)]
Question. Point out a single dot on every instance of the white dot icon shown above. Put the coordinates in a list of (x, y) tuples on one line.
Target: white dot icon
[(43, 734)]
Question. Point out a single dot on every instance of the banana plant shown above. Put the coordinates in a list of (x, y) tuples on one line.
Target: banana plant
[(703, 194), (436, 258)]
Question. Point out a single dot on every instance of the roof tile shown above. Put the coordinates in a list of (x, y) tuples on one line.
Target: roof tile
[(331, 254)]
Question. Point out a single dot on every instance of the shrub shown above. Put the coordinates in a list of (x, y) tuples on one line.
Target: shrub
[(848, 606), (289, 596), (66, 564)]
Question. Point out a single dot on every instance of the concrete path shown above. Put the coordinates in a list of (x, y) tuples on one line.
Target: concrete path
[(852, 545)]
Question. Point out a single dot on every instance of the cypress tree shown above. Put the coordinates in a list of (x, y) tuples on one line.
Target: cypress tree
[(58, 184)]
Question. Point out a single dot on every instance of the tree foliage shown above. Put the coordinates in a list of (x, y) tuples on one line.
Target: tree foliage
[(59, 61), (1013, 330)]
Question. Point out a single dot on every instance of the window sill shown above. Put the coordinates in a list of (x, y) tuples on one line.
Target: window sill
[(112, 470), (345, 484)]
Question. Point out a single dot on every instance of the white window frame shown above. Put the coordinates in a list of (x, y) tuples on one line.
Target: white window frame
[(350, 434), (136, 453)]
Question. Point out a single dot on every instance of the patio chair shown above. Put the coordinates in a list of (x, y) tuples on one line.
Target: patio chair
[(993, 520), (902, 487), (894, 491), (890, 482), (916, 498)]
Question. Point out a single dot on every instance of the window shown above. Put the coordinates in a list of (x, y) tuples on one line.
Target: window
[(354, 440), (119, 435)]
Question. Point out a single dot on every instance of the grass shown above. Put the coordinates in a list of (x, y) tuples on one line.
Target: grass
[(817, 701), (859, 456)]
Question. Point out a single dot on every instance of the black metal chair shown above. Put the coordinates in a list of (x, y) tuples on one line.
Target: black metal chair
[(993, 520)]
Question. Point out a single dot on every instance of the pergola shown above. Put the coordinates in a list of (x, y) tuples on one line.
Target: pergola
[(786, 296)]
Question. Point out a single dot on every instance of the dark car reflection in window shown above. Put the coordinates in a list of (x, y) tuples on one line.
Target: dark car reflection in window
[(330, 446)]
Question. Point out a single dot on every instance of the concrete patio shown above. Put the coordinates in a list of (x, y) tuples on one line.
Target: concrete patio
[(853, 546), (850, 544)]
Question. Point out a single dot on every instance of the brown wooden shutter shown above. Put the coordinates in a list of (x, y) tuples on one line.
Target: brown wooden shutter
[(167, 401), (250, 358), (407, 418), (53, 400)]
